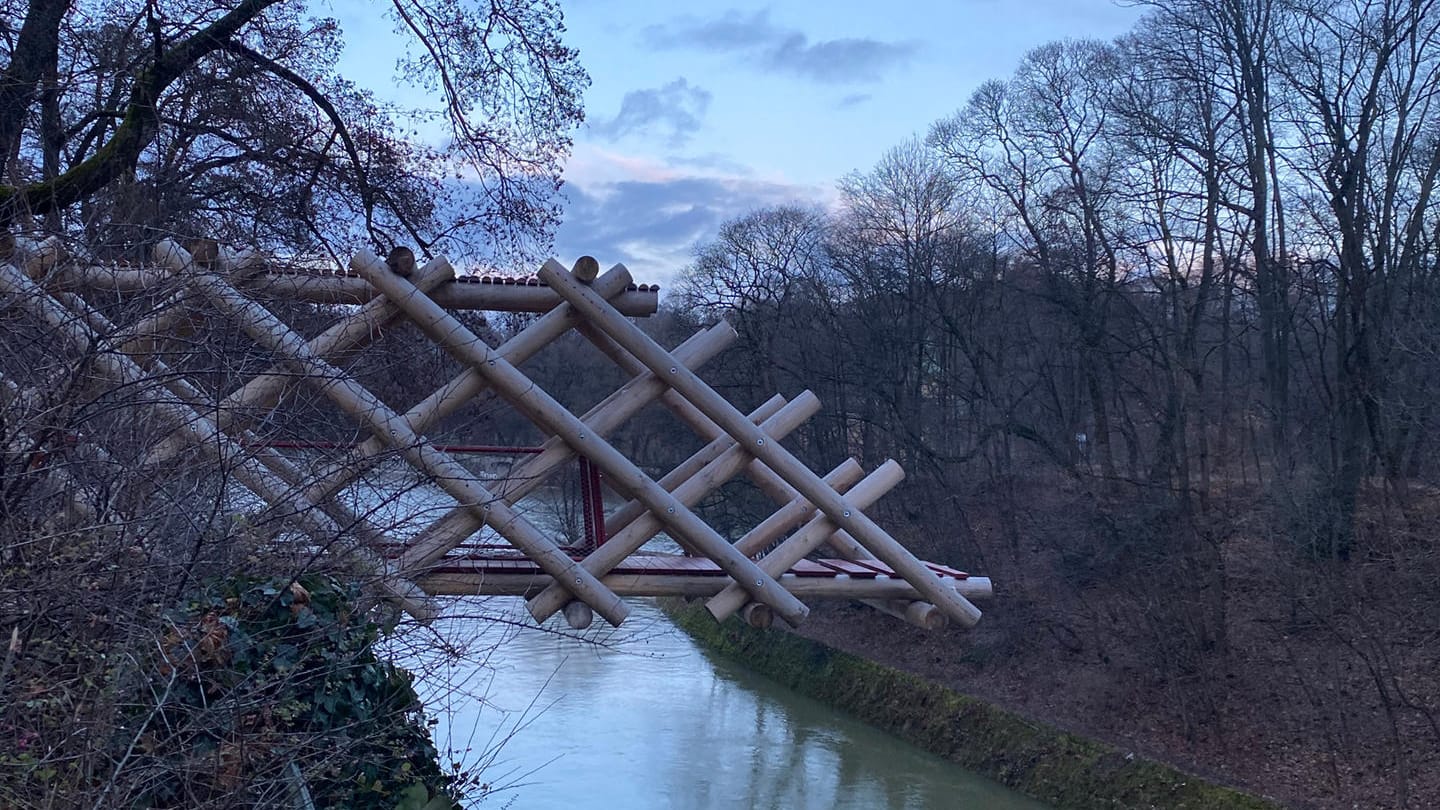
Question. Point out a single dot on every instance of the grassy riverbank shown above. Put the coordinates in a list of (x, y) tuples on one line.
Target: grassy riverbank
[(1032, 758)]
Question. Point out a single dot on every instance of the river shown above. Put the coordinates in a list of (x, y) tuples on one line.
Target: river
[(641, 718)]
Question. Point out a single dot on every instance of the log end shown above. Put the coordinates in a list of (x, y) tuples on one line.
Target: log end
[(401, 261), (587, 269)]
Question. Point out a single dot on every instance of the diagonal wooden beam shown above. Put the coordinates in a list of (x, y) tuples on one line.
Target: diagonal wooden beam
[(469, 384), (846, 515), (360, 404), (273, 460), (690, 492), (454, 528), (249, 472), (809, 537), (551, 416), (762, 476), (630, 511), (349, 334), (797, 512)]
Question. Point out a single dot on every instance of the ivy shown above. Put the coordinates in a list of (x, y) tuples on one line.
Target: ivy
[(266, 691)]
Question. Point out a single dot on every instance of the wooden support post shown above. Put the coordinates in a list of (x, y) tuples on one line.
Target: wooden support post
[(688, 493), (202, 433), (774, 455), (451, 529), (809, 537), (465, 387), (360, 404), (552, 417)]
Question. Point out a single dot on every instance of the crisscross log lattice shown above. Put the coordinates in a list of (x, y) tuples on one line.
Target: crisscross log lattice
[(760, 573)]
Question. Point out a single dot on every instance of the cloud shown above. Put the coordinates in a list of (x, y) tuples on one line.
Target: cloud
[(852, 100), (652, 223), (756, 38), (678, 108)]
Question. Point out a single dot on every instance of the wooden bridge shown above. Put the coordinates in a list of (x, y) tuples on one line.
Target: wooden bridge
[(817, 544)]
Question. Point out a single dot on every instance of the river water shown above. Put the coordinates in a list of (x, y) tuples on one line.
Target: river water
[(641, 718)]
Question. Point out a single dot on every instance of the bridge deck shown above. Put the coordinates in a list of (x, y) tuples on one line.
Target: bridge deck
[(483, 571)]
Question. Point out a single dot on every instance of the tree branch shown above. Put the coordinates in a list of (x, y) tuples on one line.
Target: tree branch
[(136, 130)]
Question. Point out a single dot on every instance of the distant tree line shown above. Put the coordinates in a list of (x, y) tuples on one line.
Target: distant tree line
[(1202, 254)]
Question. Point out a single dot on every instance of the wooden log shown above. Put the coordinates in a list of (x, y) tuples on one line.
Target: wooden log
[(630, 511), (186, 393), (247, 471), (578, 615), (758, 616), (923, 615), (688, 493), (793, 503), (453, 528), (763, 477), (611, 412), (773, 454), (454, 582), (40, 260), (324, 289), (812, 534), (360, 404), (262, 391), (548, 414), (465, 387), (401, 261), (287, 472), (586, 269), (774, 486), (798, 511)]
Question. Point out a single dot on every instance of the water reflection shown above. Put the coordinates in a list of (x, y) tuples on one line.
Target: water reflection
[(642, 718)]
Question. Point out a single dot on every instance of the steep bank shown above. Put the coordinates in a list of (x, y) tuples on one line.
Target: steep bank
[(1040, 761)]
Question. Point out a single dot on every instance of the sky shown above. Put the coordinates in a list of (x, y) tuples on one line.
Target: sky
[(700, 112)]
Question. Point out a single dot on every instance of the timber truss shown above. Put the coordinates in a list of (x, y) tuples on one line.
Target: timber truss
[(763, 574)]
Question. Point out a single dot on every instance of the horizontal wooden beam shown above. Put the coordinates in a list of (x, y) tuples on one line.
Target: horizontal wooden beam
[(454, 582), (337, 289)]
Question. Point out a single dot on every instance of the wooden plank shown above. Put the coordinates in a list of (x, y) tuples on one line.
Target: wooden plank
[(773, 454), (544, 411)]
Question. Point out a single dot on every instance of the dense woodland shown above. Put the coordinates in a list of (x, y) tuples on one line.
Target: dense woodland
[(1150, 323)]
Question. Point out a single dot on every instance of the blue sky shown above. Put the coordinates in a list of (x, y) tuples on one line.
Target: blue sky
[(700, 112)]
